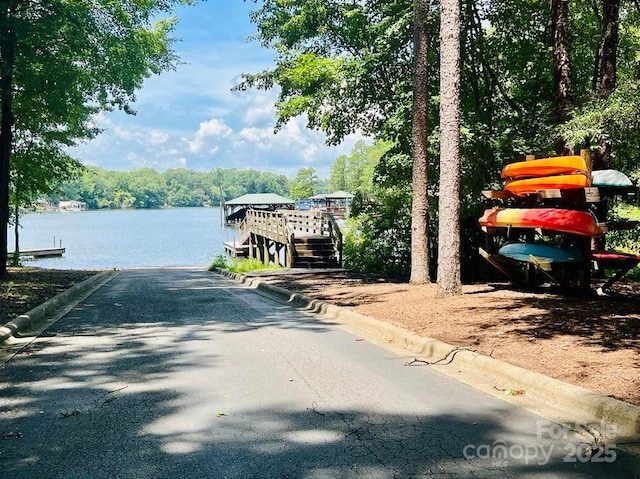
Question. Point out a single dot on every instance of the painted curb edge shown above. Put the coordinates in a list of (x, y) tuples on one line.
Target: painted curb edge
[(56, 304), (572, 405)]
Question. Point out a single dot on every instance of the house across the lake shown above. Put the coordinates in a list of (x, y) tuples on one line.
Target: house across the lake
[(71, 205)]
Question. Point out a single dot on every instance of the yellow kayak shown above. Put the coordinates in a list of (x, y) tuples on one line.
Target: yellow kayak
[(529, 186), (559, 165)]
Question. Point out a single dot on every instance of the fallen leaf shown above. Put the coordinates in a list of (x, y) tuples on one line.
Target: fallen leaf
[(515, 392)]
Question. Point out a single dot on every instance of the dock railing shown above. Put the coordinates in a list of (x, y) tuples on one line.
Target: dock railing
[(317, 223), (281, 227), (271, 225)]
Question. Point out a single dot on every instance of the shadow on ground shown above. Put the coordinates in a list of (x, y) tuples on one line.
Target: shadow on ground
[(113, 393)]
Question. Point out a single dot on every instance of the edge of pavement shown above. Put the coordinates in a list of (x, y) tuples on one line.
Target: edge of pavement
[(598, 416), (56, 307)]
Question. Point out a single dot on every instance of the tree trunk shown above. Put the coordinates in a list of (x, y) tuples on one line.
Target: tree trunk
[(561, 67), (449, 199), (15, 261), (607, 72), (420, 205), (609, 48), (7, 55)]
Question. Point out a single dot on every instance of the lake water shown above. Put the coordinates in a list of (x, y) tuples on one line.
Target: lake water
[(125, 238)]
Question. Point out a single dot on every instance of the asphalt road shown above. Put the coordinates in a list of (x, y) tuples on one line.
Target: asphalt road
[(178, 373)]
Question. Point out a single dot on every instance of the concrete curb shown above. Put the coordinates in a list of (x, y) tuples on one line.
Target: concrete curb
[(551, 398), (57, 305)]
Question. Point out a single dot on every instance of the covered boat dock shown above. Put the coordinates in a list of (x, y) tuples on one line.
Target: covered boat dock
[(235, 210)]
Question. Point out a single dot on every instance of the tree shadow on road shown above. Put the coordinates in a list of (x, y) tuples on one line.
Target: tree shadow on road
[(114, 390)]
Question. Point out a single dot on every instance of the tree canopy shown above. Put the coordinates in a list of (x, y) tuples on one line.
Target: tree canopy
[(146, 188)]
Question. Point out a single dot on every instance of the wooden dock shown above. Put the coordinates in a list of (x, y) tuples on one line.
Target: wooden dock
[(236, 249), (39, 252), (290, 238)]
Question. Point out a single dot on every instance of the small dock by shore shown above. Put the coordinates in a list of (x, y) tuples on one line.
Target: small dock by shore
[(39, 252)]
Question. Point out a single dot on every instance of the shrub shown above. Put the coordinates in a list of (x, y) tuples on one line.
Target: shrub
[(241, 265), (219, 262)]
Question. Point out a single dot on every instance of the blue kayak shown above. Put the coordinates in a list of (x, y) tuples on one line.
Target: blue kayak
[(551, 253)]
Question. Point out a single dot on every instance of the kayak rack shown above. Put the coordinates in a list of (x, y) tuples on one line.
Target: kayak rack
[(576, 272)]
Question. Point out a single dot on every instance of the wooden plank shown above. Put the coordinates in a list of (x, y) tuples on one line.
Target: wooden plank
[(540, 263), (592, 195), (617, 277), (588, 195), (544, 267), (618, 226), (586, 155), (495, 261), (497, 194)]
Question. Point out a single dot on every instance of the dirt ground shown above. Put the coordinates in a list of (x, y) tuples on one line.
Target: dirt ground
[(22, 289), (592, 342)]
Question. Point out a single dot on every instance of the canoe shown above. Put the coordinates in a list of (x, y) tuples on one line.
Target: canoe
[(559, 165), (610, 178), (554, 219), (533, 185), (551, 253)]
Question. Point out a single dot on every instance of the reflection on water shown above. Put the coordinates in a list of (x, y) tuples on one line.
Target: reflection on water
[(126, 238)]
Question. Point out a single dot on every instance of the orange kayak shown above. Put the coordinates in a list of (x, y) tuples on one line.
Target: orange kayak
[(555, 219), (559, 165), (533, 185)]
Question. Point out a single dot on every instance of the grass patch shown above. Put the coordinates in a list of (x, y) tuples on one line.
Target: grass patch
[(630, 212), (245, 265)]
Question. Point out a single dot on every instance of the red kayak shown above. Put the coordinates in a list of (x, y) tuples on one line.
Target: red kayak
[(555, 219)]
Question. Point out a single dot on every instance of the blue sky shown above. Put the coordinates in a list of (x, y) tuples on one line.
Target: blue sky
[(190, 117)]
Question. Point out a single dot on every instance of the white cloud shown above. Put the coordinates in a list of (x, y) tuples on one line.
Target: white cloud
[(157, 137), (255, 135), (213, 129)]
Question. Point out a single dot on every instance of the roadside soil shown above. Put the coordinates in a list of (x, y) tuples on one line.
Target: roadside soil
[(22, 289), (593, 342)]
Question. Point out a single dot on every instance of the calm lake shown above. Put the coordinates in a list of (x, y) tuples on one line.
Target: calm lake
[(125, 238)]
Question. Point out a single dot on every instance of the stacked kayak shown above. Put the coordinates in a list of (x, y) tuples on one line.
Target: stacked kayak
[(529, 186), (553, 219), (562, 172), (610, 178), (528, 178), (549, 228), (560, 165), (551, 253)]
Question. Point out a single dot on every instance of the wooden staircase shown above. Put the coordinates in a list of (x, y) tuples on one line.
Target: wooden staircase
[(293, 239), (314, 252)]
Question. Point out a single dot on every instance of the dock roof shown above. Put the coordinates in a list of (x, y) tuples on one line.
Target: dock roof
[(338, 195), (260, 199)]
